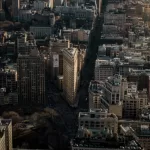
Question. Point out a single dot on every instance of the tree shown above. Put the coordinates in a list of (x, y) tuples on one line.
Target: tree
[(51, 112), (16, 118)]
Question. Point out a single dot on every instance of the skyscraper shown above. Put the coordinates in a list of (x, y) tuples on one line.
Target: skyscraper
[(58, 2), (31, 79), (51, 3), (0, 5), (2, 12), (70, 72), (99, 3), (21, 43), (15, 7)]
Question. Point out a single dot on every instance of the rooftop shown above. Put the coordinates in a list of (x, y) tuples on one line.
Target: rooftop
[(100, 62), (115, 80), (96, 86), (138, 72), (141, 130), (111, 36), (145, 113), (96, 113), (11, 67), (70, 51), (110, 143)]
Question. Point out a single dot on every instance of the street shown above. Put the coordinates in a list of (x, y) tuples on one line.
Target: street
[(56, 101)]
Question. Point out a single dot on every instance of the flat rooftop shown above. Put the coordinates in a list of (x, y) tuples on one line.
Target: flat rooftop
[(105, 143), (97, 113), (115, 80), (96, 86)]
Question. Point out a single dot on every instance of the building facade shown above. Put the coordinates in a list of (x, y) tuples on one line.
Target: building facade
[(25, 15), (112, 95), (98, 120), (31, 79), (58, 2), (21, 43), (118, 19), (2, 139), (39, 5), (76, 12), (6, 134), (15, 8), (8, 80), (95, 94), (141, 133), (103, 69), (56, 47), (40, 32), (70, 74), (113, 89), (134, 102), (1, 5)]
